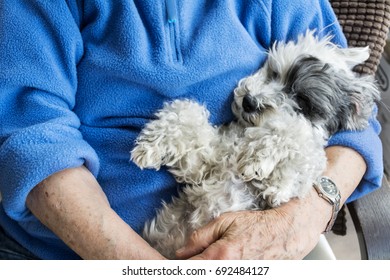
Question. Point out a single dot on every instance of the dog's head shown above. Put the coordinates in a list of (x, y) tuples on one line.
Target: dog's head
[(312, 77)]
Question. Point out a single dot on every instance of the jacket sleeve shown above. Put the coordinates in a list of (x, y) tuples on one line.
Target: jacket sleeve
[(367, 143), (39, 133), (291, 18)]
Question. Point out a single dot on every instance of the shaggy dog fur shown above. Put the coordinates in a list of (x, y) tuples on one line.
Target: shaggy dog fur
[(274, 151)]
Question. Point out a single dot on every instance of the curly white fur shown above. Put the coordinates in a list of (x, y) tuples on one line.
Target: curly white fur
[(285, 113)]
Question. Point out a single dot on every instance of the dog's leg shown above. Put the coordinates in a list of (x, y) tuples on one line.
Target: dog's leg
[(179, 138), (259, 154), (195, 206), (168, 231), (281, 160)]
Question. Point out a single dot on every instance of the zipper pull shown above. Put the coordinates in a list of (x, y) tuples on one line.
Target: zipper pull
[(171, 11)]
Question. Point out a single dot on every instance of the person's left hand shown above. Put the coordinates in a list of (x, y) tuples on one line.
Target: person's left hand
[(287, 232)]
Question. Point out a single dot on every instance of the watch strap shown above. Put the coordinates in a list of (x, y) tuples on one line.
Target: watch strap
[(336, 209)]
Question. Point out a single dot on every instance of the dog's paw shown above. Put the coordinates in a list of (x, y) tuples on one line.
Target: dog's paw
[(180, 127), (145, 155), (254, 168), (257, 159), (153, 150)]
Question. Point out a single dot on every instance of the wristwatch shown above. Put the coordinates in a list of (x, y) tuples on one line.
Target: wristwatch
[(328, 190)]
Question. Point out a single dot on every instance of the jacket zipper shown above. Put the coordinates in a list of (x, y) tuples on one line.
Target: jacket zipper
[(172, 19)]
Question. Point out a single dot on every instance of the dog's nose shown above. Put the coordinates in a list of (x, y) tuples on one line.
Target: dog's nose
[(249, 103)]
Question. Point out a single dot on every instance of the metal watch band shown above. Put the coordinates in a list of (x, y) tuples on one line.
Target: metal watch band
[(336, 209)]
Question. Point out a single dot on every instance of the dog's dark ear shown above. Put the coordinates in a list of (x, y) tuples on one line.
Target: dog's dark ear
[(354, 56), (359, 95)]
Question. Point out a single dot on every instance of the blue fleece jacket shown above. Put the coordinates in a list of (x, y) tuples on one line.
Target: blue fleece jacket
[(80, 78)]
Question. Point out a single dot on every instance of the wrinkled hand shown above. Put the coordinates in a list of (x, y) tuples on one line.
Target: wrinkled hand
[(272, 234)]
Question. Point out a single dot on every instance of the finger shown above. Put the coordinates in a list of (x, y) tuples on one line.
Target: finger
[(197, 243), (199, 240)]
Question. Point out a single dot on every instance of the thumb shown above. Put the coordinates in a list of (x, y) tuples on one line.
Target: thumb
[(200, 240)]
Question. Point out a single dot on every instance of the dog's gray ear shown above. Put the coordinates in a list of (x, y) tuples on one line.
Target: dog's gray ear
[(354, 56), (359, 96)]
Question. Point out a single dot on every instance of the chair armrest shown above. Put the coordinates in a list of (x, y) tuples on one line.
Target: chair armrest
[(371, 217)]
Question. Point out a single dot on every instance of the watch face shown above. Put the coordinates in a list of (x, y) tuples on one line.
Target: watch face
[(328, 186)]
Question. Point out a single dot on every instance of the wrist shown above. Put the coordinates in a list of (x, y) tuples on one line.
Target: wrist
[(322, 212), (310, 212)]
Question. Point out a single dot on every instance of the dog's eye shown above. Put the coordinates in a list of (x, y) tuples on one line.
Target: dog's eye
[(304, 106), (273, 75)]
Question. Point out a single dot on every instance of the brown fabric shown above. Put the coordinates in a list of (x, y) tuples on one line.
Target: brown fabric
[(365, 23)]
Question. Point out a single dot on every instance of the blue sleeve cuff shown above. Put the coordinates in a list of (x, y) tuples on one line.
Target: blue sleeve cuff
[(29, 157), (367, 143)]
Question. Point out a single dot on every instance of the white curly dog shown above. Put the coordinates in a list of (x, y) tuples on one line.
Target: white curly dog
[(274, 151)]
